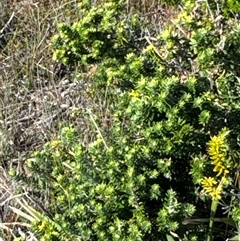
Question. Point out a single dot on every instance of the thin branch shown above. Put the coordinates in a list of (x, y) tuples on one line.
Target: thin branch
[(7, 24), (95, 124)]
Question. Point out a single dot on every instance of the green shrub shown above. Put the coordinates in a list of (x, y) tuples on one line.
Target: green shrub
[(169, 98)]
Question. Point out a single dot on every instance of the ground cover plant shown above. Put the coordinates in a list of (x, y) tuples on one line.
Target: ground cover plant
[(161, 162)]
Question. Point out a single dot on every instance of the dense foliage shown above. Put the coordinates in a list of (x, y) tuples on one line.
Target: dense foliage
[(170, 95)]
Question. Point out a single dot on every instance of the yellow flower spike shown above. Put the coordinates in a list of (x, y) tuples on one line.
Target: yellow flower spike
[(208, 189), (217, 153), (215, 144), (216, 161), (216, 193), (208, 183), (217, 150), (219, 168)]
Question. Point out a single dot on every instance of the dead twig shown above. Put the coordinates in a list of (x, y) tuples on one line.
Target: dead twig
[(6, 25)]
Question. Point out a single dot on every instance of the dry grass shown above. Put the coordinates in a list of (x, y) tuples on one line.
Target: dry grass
[(33, 98), (30, 91)]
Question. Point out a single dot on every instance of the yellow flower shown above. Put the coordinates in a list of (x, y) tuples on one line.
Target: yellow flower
[(134, 94), (208, 183), (209, 186), (216, 150), (215, 145), (219, 168), (216, 193)]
